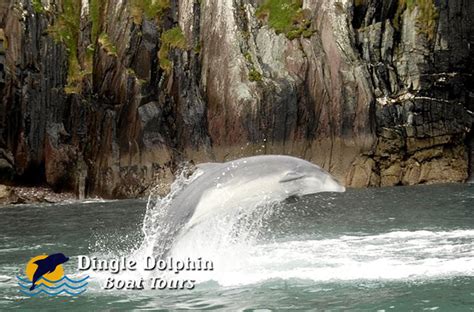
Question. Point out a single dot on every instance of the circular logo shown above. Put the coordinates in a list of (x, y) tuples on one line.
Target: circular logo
[(31, 268)]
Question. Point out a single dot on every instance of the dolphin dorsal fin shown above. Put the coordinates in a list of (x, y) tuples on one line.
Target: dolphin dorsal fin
[(291, 176)]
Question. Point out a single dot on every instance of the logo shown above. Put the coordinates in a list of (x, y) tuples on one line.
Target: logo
[(45, 275)]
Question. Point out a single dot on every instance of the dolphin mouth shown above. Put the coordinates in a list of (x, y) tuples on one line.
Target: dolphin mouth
[(332, 185), (338, 189)]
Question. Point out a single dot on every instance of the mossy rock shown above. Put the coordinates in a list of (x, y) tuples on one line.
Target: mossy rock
[(171, 38), (37, 6), (108, 46), (149, 8), (255, 75), (287, 17), (428, 15), (66, 30)]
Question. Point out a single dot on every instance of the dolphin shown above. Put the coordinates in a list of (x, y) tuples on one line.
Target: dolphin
[(221, 186), (47, 265)]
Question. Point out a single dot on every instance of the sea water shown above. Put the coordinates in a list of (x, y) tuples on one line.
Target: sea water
[(387, 249)]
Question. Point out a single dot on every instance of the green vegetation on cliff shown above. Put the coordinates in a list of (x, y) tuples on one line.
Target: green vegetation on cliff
[(148, 8), (108, 46), (255, 75), (427, 16), (37, 6), (287, 17), (66, 29), (171, 38), (95, 9)]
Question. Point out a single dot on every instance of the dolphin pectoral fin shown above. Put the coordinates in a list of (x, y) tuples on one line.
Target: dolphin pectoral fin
[(291, 176)]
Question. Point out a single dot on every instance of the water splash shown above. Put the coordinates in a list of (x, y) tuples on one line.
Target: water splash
[(234, 229), (233, 240), (158, 232)]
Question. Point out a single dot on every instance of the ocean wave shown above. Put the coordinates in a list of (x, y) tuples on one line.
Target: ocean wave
[(400, 255), (42, 291), (63, 285)]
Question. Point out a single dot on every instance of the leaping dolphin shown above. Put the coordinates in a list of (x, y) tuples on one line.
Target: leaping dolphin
[(223, 185), (47, 265)]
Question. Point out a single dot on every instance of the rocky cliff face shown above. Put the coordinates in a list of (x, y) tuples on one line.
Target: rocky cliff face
[(109, 97)]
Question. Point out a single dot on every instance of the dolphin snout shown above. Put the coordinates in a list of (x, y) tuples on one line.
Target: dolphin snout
[(331, 185)]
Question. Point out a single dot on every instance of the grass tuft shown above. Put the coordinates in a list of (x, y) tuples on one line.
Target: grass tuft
[(95, 9), (286, 16), (66, 30), (148, 8), (427, 18), (108, 46), (37, 6), (171, 38), (255, 75)]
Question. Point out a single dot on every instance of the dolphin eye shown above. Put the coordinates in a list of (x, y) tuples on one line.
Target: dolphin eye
[(291, 176)]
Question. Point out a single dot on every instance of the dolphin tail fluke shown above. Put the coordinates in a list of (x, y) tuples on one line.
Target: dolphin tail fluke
[(32, 286)]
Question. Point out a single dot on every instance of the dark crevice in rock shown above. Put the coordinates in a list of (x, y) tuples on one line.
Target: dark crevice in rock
[(369, 94)]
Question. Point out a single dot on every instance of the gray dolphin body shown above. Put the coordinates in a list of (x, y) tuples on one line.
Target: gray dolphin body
[(222, 186)]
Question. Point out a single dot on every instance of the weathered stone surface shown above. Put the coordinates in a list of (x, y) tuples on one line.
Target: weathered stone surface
[(60, 158), (364, 173), (369, 94), (392, 175), (6, 194), (10, 195), (7, 170), (450, 168), (422, 82)]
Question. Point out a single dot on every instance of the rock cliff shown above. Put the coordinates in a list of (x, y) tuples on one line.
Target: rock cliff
[(109, 97)]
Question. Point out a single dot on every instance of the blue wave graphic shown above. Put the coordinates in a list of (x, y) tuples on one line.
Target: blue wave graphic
[(53, 287), (24, 280), (42, 291), (69, 286)]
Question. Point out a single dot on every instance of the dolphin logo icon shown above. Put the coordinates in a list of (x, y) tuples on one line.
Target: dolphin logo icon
[(47, 265)]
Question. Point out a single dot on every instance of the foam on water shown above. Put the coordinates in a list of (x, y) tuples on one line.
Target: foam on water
[(389, 256), (404, 248), (233, 242)]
